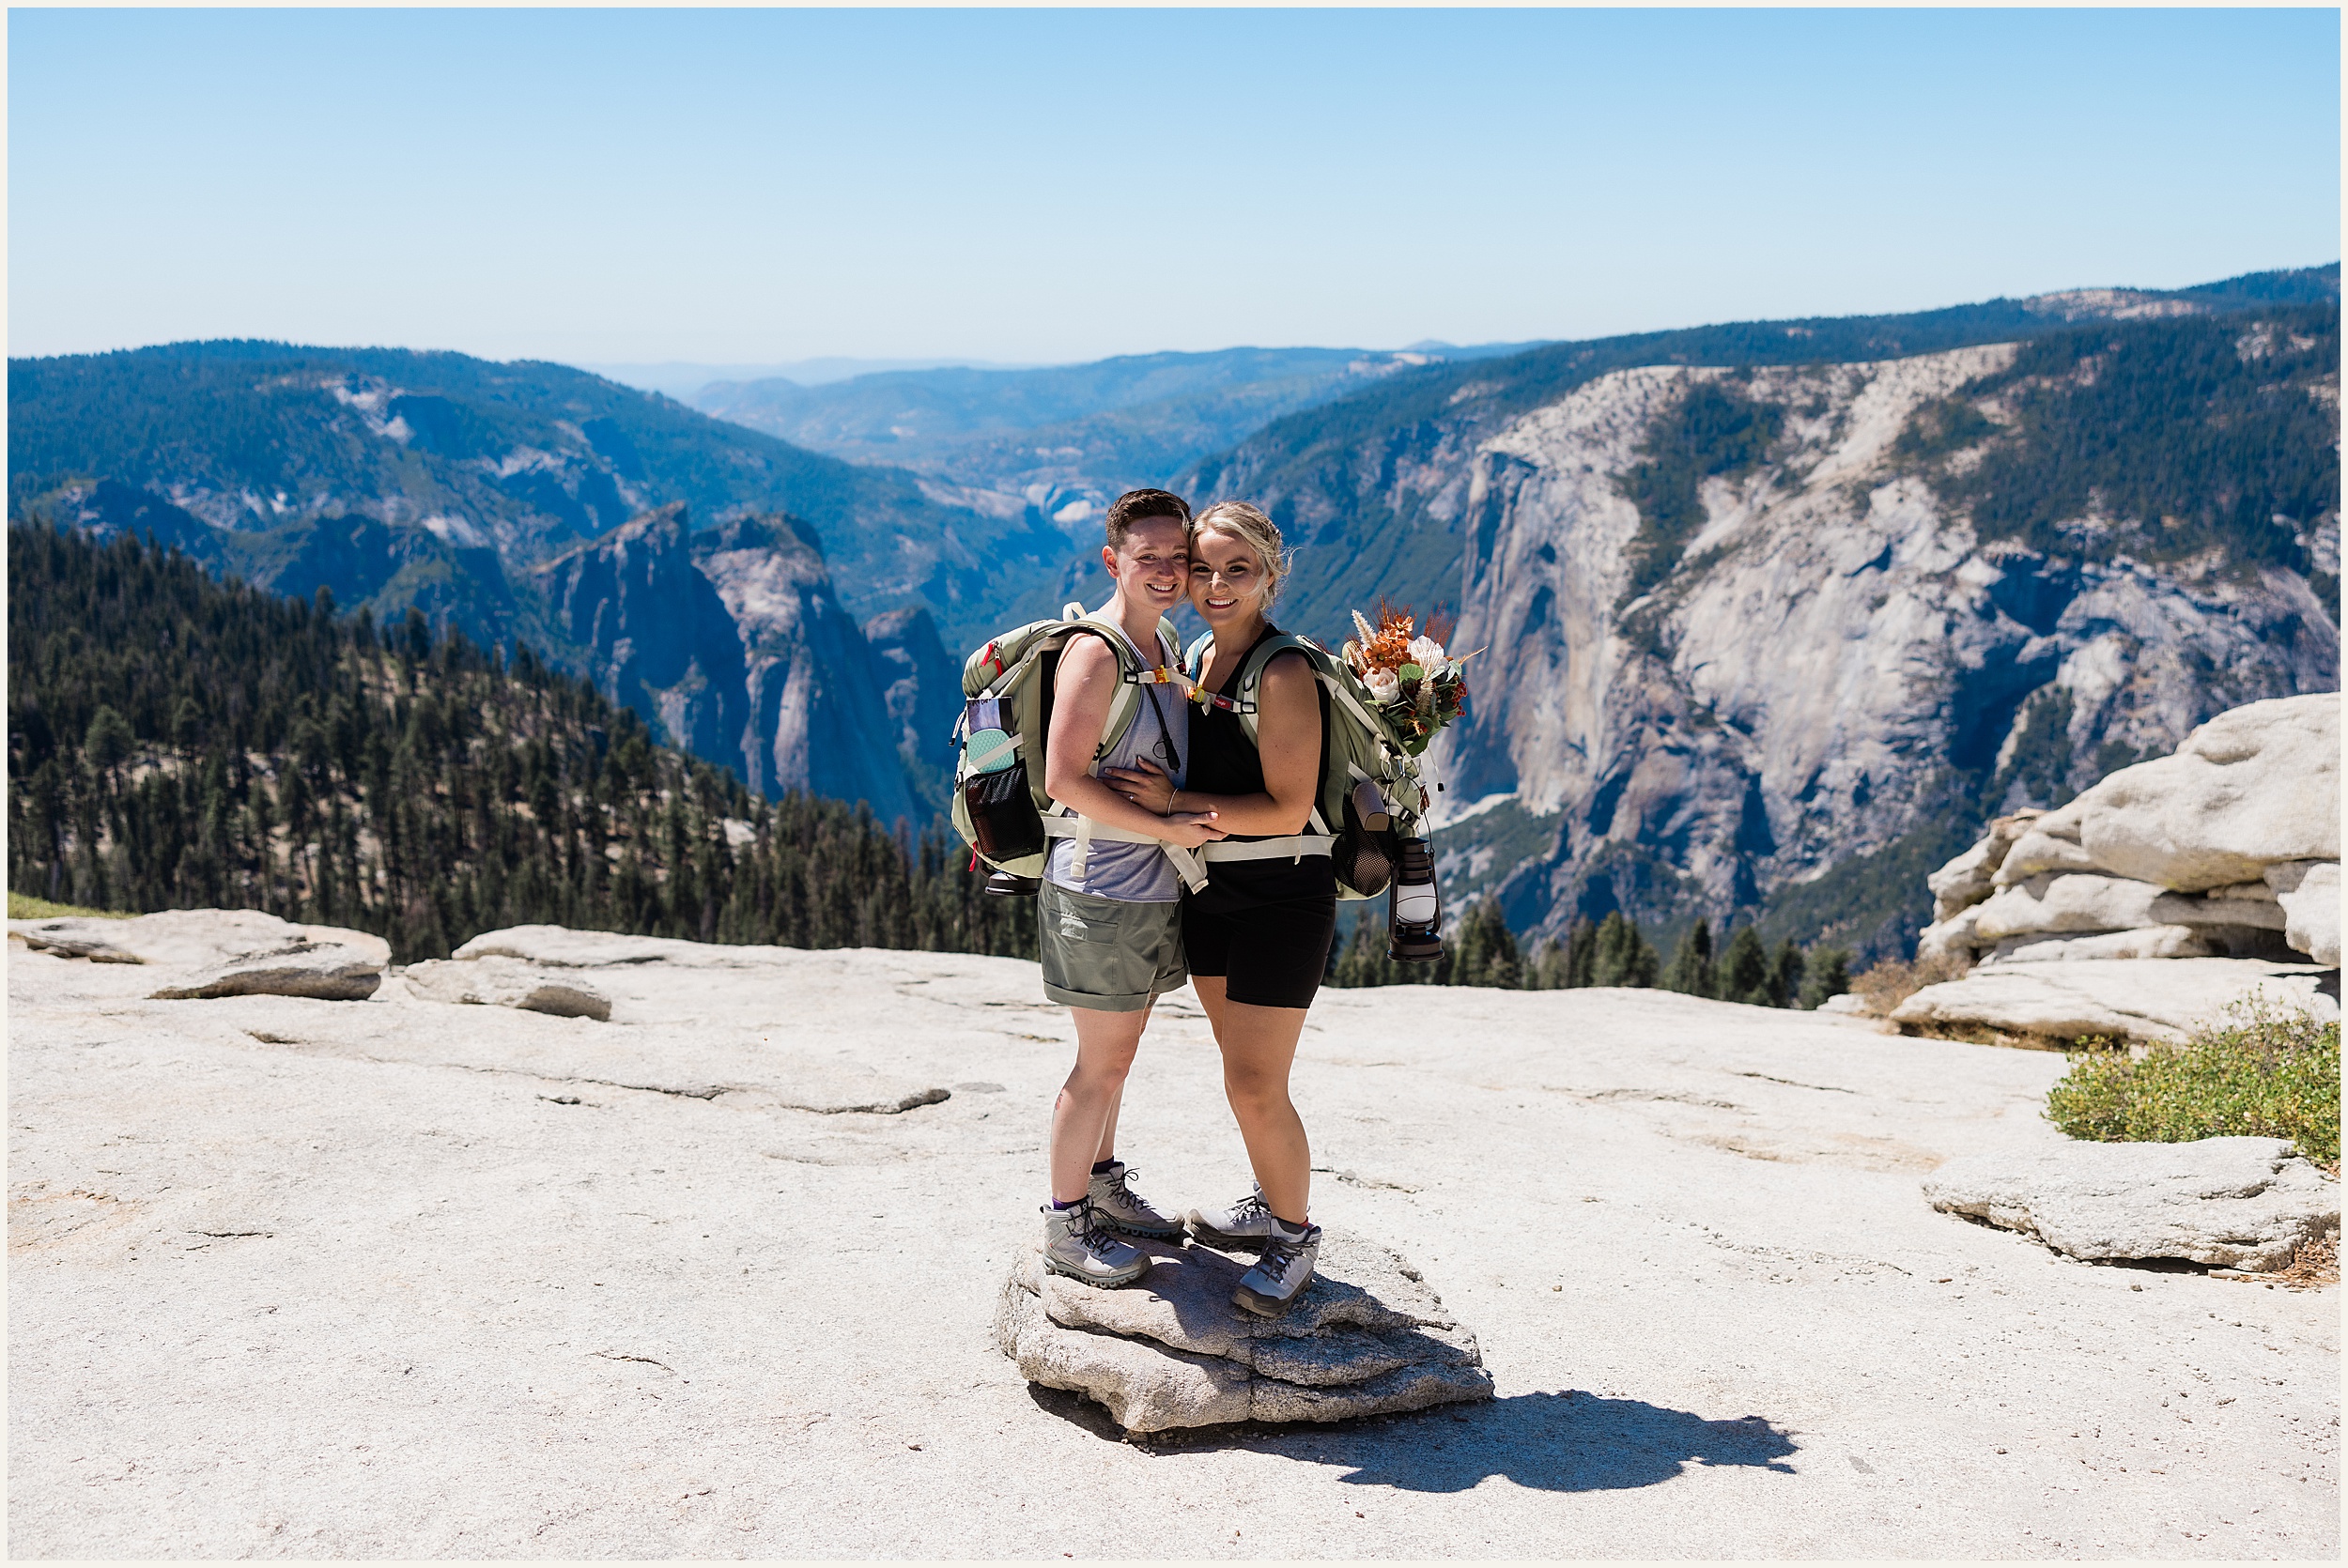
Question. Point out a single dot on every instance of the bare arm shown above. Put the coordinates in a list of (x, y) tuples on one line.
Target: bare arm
[(1082, 691), (1288, 738)]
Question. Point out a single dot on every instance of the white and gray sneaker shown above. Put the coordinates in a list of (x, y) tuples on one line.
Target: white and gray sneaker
[(1281, 1274), (1242, 1226), (1122, 1208), (1078, 1242)]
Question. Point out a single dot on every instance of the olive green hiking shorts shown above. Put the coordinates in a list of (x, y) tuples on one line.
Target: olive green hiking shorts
[(1106, 954)]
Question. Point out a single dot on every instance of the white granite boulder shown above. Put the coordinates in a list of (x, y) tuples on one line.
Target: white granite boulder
[(2134, 999), (1169, 1350), (2307, 892), (501, 982), (2147, 942), (1969, 878), (2256, 785), (223, 952), (2050, 844), (2231, 1203), (2073, 901)]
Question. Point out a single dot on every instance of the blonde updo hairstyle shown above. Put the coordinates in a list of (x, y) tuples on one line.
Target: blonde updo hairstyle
[(1260, 533)]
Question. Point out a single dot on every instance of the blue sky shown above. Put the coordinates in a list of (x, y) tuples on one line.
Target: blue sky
[(742, 186)]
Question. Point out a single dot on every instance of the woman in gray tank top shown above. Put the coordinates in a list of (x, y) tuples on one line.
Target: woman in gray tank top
[(1133, 873)]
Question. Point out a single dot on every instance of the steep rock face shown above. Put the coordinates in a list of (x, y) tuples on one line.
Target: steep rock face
[(814, 714), (1830, 640), (921, 685), (653, 632)]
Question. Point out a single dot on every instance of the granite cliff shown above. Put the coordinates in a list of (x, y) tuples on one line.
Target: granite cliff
[(1774, 638), (734, 642)]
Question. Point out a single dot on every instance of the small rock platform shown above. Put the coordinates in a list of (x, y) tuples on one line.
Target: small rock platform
[(1170, 1350)]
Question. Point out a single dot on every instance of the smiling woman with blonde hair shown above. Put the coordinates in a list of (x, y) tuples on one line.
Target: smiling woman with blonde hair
[(1257, 937)]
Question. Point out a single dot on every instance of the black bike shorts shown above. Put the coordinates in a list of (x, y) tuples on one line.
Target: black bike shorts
[(1265, 928)]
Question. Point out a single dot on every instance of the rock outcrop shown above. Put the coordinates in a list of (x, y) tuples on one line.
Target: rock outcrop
[(2231, 1203), (325, 971), (235, 952), (2308, 894), (189, 938), (1169, 1350), (503, 982), (2118, 997), (2190, 856)]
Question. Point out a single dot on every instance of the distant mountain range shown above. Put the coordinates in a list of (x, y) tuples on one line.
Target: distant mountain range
[(1065, 440), (1770, 604), (682, 379)]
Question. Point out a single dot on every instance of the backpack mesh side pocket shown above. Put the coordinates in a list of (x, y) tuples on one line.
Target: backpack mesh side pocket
[(1004, 822)]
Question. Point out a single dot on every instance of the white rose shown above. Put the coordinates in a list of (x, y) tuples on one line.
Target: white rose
[(1427, 653), (1383, 684)]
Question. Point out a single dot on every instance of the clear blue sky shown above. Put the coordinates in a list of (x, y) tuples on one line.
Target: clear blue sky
[(1035, 186)]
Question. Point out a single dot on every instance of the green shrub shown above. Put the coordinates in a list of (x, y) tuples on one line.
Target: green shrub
[(2260, 1070)]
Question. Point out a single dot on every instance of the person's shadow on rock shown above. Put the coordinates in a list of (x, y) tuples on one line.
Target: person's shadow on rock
[(1552, 1443)]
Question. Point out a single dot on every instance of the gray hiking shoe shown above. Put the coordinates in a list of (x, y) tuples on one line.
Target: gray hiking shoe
[(1122, 1208), (1242, 1226), (1280, 1274), (1078, 1243)]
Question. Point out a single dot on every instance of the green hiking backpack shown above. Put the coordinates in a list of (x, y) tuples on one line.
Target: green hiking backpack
[(999, 807), (1371, 796)]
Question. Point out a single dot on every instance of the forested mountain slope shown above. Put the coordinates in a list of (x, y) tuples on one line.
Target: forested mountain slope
[(514, 502), (177, 741), (286, 454), (1773, 637)]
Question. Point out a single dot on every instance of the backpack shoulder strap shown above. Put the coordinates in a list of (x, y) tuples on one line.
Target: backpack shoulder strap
[(1251, 673), (1251, 680), (1126, 701)]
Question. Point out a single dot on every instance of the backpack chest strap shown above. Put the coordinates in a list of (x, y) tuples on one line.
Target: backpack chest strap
[(1295, 847), (1083, 830)]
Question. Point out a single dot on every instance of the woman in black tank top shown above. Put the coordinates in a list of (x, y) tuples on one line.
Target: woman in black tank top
[(1257, 938)]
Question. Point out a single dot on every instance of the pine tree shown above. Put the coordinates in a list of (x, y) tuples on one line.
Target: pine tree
[(1582, 954), (1744, 970), (1622, 955), (1828, 974), (1692, 969), (1487, 952), (1786, 972)]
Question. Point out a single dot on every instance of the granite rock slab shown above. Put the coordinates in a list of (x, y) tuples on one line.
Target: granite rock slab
[(2134, 999), (2234, 1203)]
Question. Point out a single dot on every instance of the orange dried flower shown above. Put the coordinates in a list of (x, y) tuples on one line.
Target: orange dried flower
[(1390, 649)]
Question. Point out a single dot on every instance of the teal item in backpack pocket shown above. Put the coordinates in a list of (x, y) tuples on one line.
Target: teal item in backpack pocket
[(989, 751)]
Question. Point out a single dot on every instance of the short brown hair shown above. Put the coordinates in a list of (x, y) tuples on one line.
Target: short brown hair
[(1133, 505)]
